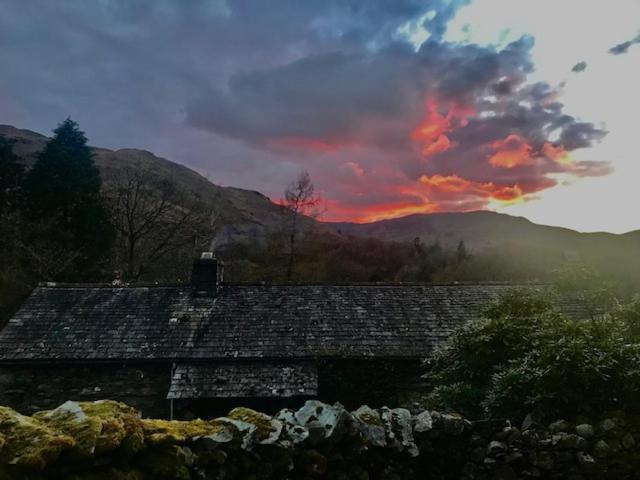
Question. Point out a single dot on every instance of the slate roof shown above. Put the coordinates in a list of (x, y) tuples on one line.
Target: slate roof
[(260, 321), (244, 380)]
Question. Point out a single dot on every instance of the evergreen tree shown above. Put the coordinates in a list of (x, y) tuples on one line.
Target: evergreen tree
[(11, 175), (62, 193)]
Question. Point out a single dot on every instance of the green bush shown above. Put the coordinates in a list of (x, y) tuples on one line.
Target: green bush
[(525, 356)]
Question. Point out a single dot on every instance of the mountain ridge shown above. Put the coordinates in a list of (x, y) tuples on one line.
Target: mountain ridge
[(248, 216)]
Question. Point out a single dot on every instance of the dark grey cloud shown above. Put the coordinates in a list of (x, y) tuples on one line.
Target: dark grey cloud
[(579, 67), (623, 47)]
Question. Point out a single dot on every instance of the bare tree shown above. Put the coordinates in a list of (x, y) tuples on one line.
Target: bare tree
[(300, 198), (154, 219)]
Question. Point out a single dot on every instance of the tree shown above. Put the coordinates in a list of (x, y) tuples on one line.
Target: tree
[(154, 219), (300, 198), (525, 356), (11, 175), (62, 193), (13, 283), (461, 252)]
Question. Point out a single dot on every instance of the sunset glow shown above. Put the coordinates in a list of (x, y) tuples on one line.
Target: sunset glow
[(392, 107)]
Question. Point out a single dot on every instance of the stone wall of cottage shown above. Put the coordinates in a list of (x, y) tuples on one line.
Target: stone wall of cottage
[(31, 388)]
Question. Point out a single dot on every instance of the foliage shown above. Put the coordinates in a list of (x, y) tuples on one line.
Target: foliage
[(526, 356), (12, 278), (11, 174), (62, 192)]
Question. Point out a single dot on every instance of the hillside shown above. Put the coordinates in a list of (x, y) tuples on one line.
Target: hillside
[(515, 239), (245, 215), (479, 229)]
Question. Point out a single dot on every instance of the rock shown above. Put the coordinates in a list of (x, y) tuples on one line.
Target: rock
[(323, 421), (98, 427), (585, 430), (295, 432), (570, 441), (584, 459), (452, 424), (559, 426), (246, 432), (163, 432), (607, 425), (496, 448), (29, 443), (628, 441), (399, 431), (422, 422), (601, 449), (268, 429), (370, 426)]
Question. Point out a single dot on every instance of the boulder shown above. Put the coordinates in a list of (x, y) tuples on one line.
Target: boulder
[(162, 432), (98, 427), (29, 443), (370, 426), (398, 426), (323, 421), (585, 430)]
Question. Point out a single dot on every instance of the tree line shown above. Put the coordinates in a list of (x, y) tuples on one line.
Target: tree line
[(60, 221)]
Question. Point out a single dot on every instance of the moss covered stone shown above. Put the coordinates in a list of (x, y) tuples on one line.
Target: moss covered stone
[(266, 428), (161, 432), (98, 427), (28, 443)]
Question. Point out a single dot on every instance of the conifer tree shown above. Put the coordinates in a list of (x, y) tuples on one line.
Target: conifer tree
[(11, 175), (62, 193)]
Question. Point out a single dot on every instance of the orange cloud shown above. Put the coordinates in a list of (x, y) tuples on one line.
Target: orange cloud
[(432, 131), (511, 152), (459, 185), (557, 154)]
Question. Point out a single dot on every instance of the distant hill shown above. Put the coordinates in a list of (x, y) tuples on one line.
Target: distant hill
[(514, 237), (248, 216), (479, 229), (245, 215)]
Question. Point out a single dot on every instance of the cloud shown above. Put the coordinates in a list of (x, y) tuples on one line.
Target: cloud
[(623, 47), (249, 92), (579, 67), (456, 127)]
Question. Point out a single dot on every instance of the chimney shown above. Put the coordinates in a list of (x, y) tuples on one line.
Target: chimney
[(206, 275)]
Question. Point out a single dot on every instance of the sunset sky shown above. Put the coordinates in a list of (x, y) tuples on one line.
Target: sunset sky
[(526, 107)]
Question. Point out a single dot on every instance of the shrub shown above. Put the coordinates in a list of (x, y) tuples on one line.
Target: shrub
[(525, 356)]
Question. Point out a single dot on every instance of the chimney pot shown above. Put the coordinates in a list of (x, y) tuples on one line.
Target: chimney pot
[(207, 274)]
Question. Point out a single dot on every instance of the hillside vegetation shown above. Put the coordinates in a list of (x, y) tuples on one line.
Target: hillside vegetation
[(249, 231)]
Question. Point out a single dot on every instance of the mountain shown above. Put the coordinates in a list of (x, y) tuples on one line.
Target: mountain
[(515, 239), (479, 229), (245, 215)]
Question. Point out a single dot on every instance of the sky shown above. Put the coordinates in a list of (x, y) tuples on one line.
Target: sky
[(525, 107)]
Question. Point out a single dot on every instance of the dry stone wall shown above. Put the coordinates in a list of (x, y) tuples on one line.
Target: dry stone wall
[(109, 440)]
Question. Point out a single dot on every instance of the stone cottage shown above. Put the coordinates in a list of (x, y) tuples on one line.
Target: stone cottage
[(198, 348)]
